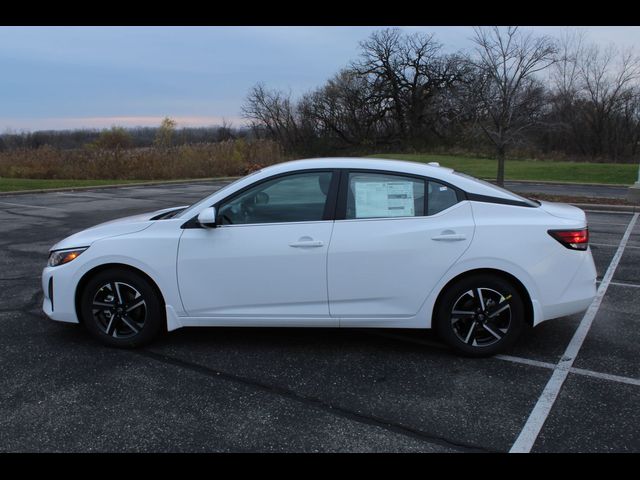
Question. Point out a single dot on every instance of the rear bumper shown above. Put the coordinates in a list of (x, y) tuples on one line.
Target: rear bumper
[(578, 294)]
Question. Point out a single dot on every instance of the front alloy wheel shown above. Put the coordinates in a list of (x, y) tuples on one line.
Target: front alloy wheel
[(121, 308)]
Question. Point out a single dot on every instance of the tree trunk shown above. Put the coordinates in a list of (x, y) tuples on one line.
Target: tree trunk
[(500, 177)]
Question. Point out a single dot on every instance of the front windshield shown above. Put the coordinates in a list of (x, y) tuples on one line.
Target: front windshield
[(199, 203)]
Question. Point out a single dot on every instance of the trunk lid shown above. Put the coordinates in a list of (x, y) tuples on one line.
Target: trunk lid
[(563, 210)]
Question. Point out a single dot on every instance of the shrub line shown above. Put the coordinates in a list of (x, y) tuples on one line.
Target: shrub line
[(117, 185)]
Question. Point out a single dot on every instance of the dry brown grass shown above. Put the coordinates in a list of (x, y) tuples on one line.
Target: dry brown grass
[(227, 158)]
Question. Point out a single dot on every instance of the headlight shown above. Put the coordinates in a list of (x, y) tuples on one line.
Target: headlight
[(59, 257)]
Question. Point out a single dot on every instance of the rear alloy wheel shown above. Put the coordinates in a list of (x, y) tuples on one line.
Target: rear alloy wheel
[(480, 316), (121, 308)]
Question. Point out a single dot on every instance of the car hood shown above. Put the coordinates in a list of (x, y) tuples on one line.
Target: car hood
[(563, 210), (112, 228)]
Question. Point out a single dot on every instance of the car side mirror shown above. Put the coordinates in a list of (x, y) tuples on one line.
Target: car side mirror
[(207, 217)]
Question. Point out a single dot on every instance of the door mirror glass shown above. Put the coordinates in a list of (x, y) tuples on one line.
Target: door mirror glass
[(207, 217)]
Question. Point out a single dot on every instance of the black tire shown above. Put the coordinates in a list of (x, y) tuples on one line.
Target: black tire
[(121, 323), (466, 327)]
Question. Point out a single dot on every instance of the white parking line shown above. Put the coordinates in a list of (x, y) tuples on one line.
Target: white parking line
[(526, 361), (577, 371), (610, 245), (531, 430), (98, 195), (608, 211), (609, 224), (618, 284), (606, 376), (24, 205)]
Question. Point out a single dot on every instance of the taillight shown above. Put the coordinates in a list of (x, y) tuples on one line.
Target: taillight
[(573, 239)]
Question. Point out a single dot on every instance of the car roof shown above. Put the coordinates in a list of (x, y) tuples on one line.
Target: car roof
[(360, 162)]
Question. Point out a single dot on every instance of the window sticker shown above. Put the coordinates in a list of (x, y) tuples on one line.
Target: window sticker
[(384, 199)]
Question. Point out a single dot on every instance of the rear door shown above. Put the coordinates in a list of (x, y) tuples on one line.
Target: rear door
[(394, 237)]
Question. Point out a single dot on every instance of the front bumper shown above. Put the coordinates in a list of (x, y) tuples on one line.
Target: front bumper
[(59, 297)]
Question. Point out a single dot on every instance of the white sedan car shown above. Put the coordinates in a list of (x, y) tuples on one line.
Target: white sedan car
[(338, 242)]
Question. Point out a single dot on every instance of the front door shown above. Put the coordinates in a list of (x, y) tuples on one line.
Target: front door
[(267, 259)]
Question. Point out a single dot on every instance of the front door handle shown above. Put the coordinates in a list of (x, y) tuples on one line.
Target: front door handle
[(307, 242), (449, 237)]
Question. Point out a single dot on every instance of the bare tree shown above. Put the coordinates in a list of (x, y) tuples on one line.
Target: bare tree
[(347, 108), (403, 93), (406, 72), (273, 111), (608, 77), (563, 126), (509, 98), (565, 74), (225, 131)]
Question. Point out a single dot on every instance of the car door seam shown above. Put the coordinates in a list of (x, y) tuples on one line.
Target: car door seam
[(326, 270), (184, 309)]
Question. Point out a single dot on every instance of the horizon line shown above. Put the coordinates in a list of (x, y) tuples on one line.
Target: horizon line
[(31, 125)]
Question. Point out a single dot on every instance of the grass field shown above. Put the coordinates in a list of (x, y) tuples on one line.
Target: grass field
[(13, 184), (607, 173), (532, 169)]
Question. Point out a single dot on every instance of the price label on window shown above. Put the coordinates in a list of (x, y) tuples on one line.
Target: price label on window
[(384, 199)]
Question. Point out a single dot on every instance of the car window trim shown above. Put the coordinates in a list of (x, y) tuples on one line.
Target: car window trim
[(476, 197), (329, 206), (343, 191)]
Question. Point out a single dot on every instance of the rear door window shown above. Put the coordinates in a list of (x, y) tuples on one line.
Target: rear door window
[(381, 195)]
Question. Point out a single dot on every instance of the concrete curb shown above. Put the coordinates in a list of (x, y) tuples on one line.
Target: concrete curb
[(553, 182), (117, 185)]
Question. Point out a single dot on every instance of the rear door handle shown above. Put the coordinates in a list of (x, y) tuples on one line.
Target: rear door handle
[(307, 244), (449, 237)]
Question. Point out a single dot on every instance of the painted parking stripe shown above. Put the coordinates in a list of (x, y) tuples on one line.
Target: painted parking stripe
[(608, 224), (608, 211), (620, 284), (521, 360), (24, 205), (610, 245), (577, 371), (525, 441), (606, 376), (526, 361)]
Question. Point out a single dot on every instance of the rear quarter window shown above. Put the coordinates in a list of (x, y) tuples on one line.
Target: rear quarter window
[(511, 195), (439, 197)]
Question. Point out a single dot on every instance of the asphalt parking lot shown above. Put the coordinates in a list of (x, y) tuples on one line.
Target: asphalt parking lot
[(570, 385)]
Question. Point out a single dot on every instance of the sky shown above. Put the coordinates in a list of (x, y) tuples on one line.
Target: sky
[(95, 77)]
